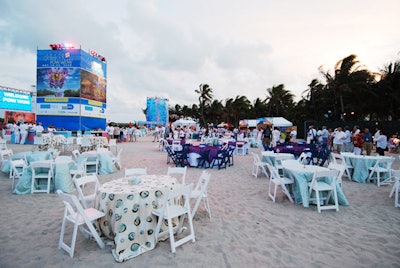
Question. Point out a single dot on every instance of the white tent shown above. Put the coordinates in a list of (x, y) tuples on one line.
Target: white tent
[(279, 122), (184, 122)]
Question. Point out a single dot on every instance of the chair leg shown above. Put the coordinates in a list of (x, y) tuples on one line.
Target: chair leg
[(287, 193), (171, 236), (318, 201)]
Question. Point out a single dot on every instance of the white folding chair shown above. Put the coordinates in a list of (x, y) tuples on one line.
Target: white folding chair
[(171, 209), (41, 171), (257, 165), (396, 187), (199, 193), (303, 158), (240, 148), (17, 169), (135, 171), (76, 154), (324, 181), (381, 169), (341, 169), (77, 215), (92, 163), (5, 155), (278, 180), (339, 159), (117, 159), (80, 170), (180, 171), (87, 188)]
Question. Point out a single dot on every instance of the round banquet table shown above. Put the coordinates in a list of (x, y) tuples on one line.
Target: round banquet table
[(129, 220)]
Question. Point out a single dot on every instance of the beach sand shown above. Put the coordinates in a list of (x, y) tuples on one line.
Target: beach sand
[(246, 230)]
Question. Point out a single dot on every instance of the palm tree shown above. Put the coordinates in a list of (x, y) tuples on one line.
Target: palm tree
[(205, 97), (313, 89), (279, 101), (350, 82)]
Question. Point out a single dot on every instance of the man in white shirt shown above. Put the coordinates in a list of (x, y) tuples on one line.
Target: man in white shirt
[(338, 138), (39, 129), (24, 127)]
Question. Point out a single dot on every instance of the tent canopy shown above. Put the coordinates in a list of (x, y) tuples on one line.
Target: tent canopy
[(275, 121), (184, 122)]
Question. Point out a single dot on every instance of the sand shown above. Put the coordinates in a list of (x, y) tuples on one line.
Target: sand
[(246, 230)]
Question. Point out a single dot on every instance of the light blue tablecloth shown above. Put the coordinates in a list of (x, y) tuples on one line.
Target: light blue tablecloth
[(270, 158), (304, 174), (106, 165), (29, 156), (62, 178), (361, 165)]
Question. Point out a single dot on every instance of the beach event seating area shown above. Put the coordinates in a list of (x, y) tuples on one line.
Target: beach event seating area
[(247, 228)]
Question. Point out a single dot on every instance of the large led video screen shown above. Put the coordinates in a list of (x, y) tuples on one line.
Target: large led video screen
[(157, 111), (15, 101)]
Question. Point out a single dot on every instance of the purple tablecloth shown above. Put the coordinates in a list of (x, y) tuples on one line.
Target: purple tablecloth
[(200, 149), (293, 148)]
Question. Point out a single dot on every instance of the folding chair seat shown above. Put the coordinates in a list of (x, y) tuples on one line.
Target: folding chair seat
[(171, 209), (135, 171), (78, 216), (278, 180), (180, 171), (339, 159), (87, 188), (324, 181), (199, 193), (396, 187), (380, 170), (257, 165), (42, 171), (17, 169), (117, 159)]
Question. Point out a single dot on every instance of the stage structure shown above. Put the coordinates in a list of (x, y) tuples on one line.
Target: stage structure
[(71, 88), (157, 112)]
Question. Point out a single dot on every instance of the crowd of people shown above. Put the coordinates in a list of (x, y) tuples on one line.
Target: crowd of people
[(20, 130), (360, 141)]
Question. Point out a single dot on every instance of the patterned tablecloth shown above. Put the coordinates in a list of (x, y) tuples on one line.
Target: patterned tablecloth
[(129, 220)]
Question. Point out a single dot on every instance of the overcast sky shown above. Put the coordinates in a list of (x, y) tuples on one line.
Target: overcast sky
[(167, 48)]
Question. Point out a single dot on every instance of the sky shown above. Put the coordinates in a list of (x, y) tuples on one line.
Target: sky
[(167, 48)]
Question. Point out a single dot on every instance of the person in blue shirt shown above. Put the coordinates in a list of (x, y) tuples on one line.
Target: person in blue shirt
[(367, 146)]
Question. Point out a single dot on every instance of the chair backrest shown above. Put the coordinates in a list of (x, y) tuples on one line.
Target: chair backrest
[(203, 182), (76, 154), (178, 170), (303, 158), (274, 173), (385, 162), (18, 166), (87, 194), (337, 158), (175, 194), (339, 167), (5, 154), (42, 165), (320, 174), (135, 171)]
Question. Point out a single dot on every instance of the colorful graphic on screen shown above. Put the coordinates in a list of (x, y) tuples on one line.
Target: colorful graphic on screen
[(10, 116), (93, 87), (157, 111), (58, 82)]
